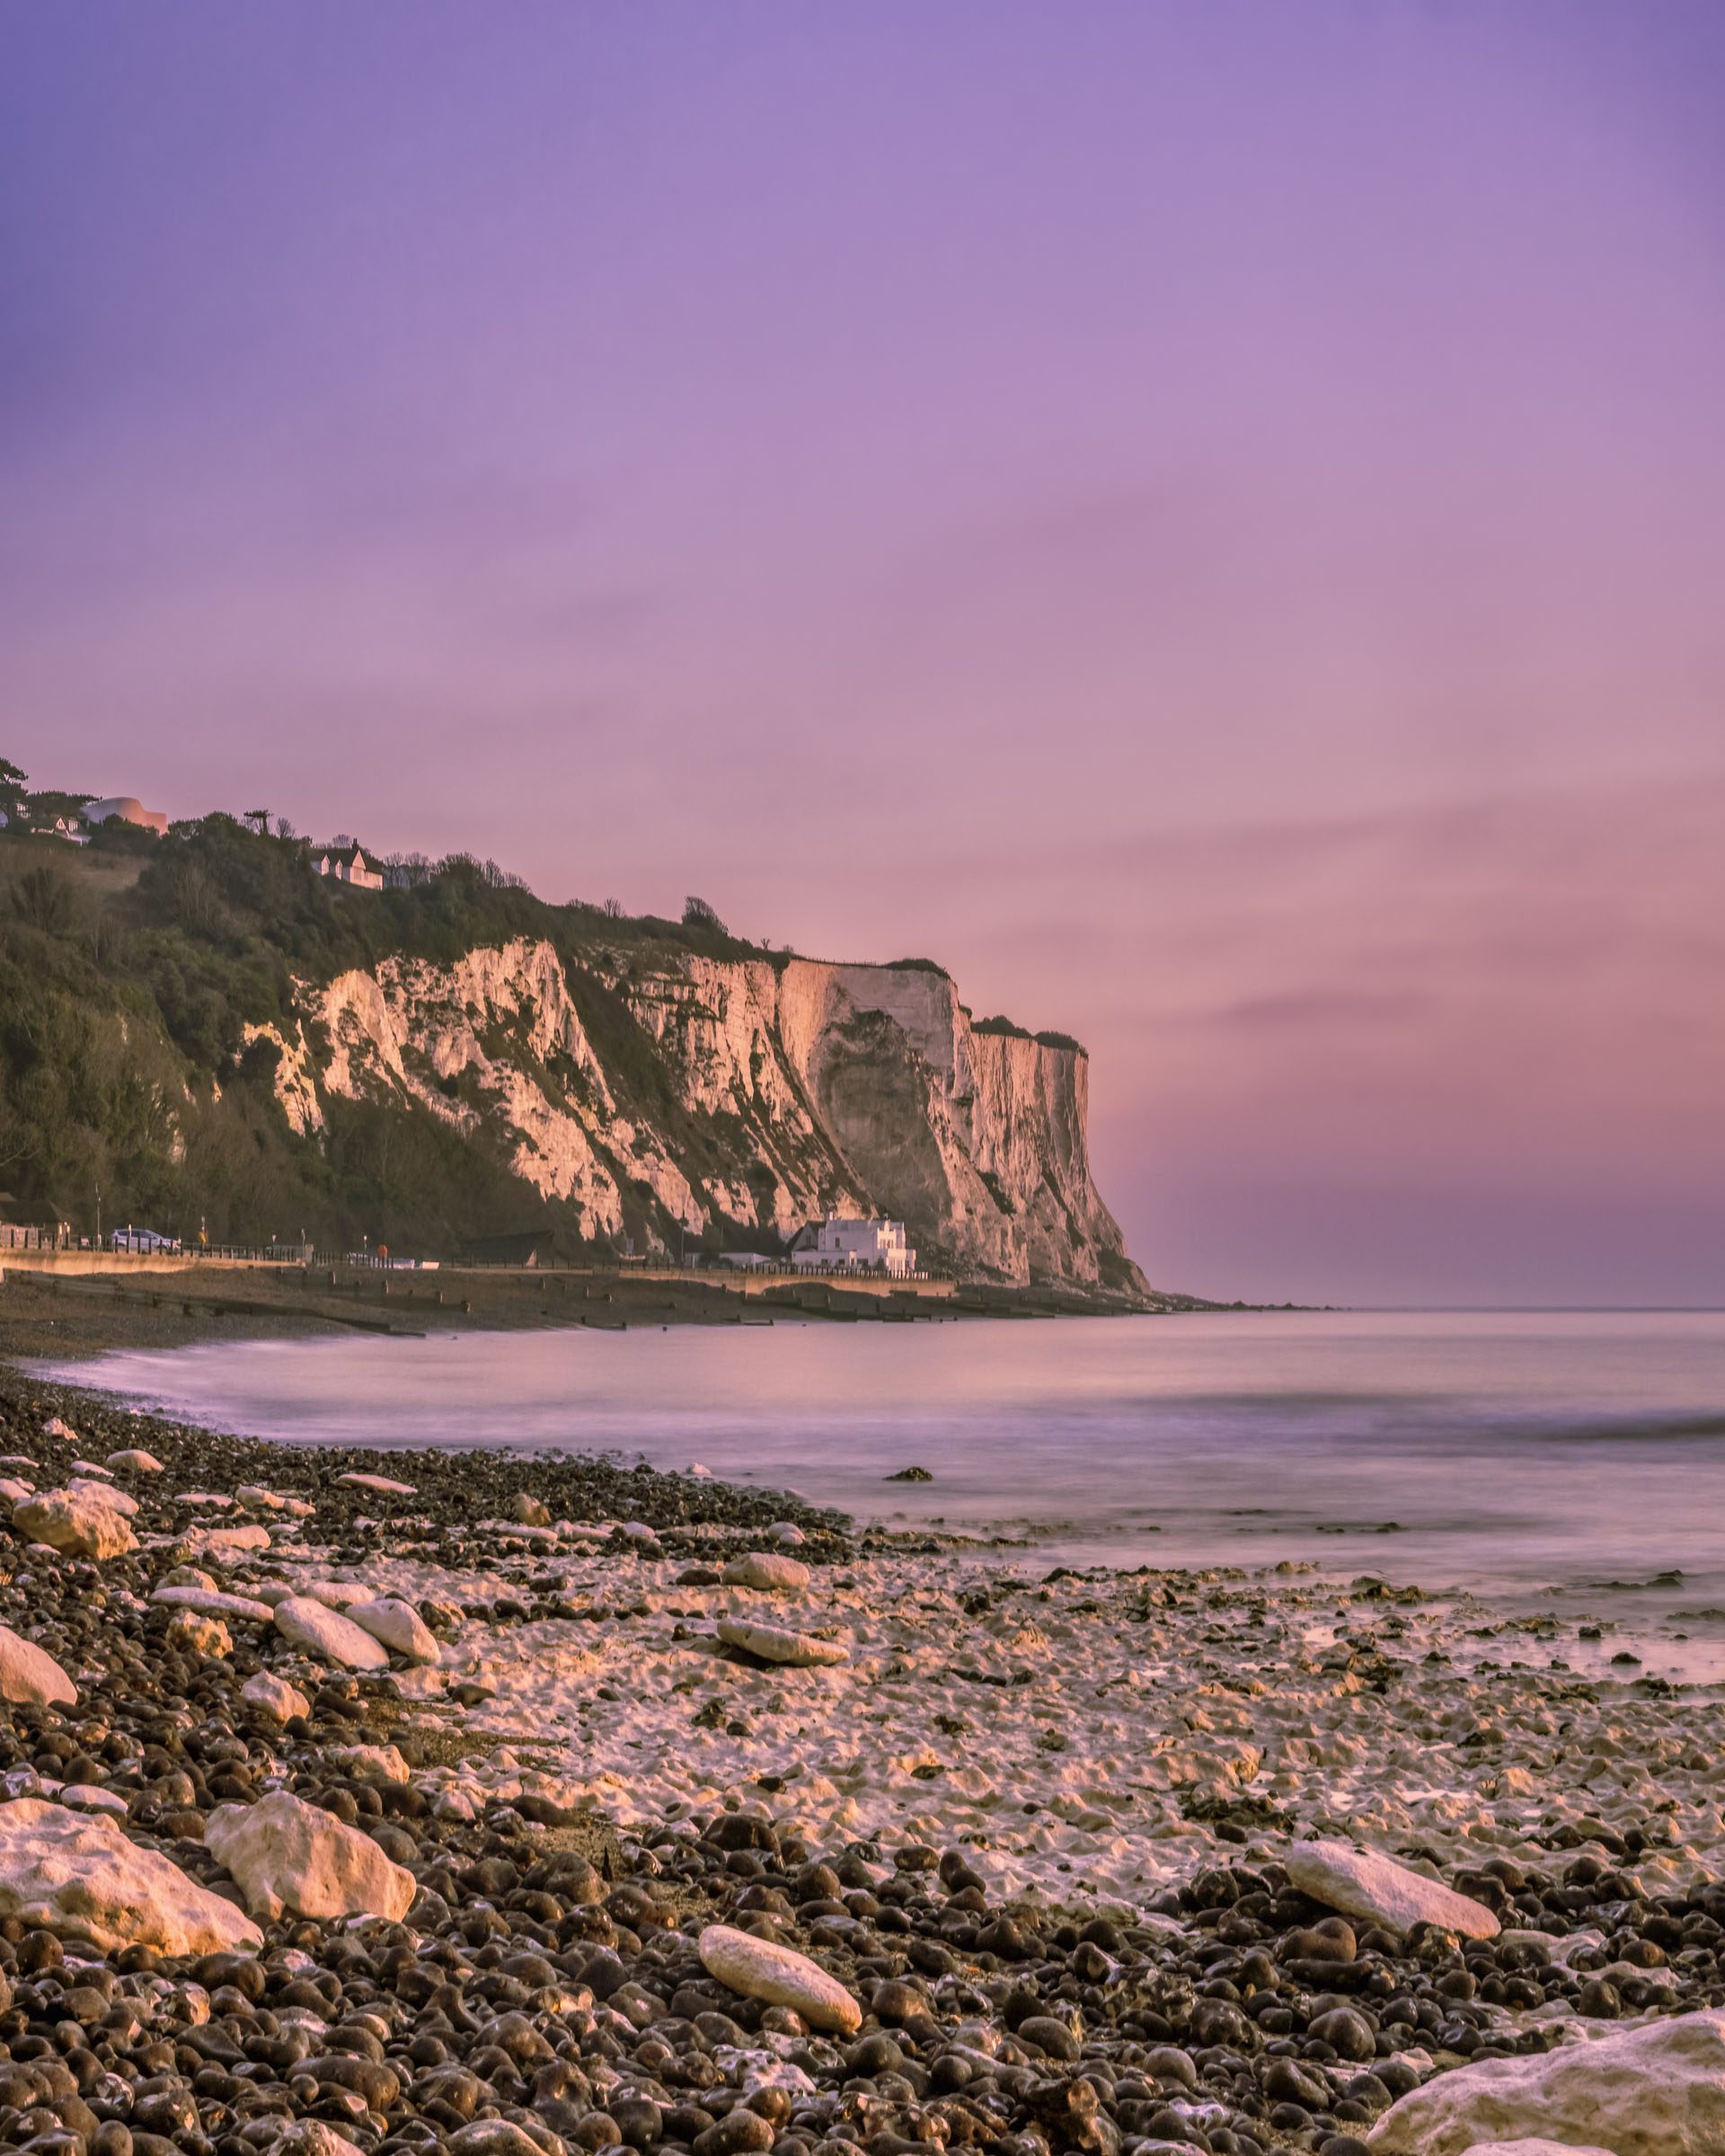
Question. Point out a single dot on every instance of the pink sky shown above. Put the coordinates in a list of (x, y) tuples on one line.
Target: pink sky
[(1208, 520)]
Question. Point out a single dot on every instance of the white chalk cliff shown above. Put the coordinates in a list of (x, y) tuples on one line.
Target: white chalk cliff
[(745, 1095)]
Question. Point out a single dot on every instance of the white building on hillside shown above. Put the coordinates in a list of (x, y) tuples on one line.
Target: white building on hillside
[(130, 810), (841, 1245), (347, 864)]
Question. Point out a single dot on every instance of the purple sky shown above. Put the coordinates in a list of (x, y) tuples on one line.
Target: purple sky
[(1209, 518)]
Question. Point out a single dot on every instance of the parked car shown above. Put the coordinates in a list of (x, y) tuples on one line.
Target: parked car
[(144, 1240)]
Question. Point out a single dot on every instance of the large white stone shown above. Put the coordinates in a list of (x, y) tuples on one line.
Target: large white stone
[(309, 1623), (382, 1484), (1368, 1885), (273, 1695), (211, 1602), (12, 1491), (370, 1762), (399, 1626), (222, 1541), (774, 1643), (78, 1875), (136, 1459), (767, 1570), (31, 1678), (287, 1854), (121, 1500), (1533, 2148), (1656, 2090), (758, 1969), (82, 1520)]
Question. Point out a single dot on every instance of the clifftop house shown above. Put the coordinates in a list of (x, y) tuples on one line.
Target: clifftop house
[(347, 864)]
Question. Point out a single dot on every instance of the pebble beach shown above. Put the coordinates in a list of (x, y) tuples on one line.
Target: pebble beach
[(539, 1804)]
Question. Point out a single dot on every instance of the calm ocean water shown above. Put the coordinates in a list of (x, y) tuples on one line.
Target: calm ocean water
[(1519, 1454)]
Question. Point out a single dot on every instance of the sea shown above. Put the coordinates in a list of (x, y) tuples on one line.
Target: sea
[(1569, 1463)]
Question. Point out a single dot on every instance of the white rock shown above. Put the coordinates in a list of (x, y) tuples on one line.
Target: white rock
[(122, 1500), (78, 1875), (274, 1695), (310, 2137), (203, 1634), (136, 1461), (55, 1428), (78, 1521), (31, 1678), (375, 1762), (17, 1459), (772, 1643), (93, 1467), (1533, 2148), (399, 1626), (312, 1624), (638, 1531), (1367, 1884), (255, 1498), (422, 1681), (213, 1602), (87, 1797), (1655, 2090), (336, 1594), (696, 1468), (787, 1535), (377, 1483), (287, 1854), (767, 1570), (760, 1970), (217, 1542), (12, 1491), (209, 1497)]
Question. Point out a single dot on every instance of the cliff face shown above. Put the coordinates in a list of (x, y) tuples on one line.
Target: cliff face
[(742, 1096)]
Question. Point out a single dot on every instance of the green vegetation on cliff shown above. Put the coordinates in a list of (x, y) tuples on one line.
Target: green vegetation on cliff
[(130, 971)]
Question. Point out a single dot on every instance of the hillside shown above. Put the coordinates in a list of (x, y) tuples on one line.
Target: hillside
[(206, 1031)]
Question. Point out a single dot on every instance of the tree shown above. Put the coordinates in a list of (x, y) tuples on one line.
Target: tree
[(42, 899), (260, 817), (698, 913)]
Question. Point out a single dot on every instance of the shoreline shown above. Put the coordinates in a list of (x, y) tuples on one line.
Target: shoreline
[(1037, 1821), (50, 1315)]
